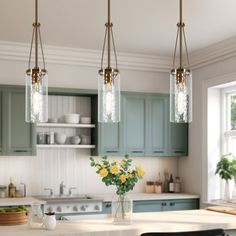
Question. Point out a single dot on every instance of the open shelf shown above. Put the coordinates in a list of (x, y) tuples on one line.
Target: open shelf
[(65, 125), (65, 146)]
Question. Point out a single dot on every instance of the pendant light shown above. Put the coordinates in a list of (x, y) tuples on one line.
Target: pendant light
[(181, 81), (36, 80), (109, 80)]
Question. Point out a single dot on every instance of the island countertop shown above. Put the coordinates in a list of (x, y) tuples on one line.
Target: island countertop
[(142, 222)]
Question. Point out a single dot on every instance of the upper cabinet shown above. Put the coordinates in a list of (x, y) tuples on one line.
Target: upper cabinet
[(1, 122), (144, 130), (157, 125), (17, 137), (133, 119)]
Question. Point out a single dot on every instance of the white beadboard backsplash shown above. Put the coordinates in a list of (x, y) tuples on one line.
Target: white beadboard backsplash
[(51, 166)]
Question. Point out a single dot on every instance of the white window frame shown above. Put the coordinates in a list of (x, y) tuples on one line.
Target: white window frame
[(226, 131)]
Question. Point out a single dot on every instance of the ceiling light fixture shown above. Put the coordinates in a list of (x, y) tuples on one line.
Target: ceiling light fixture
[(181, 81), (36, 81), (109, 80)]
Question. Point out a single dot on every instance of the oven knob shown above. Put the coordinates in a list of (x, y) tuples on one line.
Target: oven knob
[(75, 208), (96, 207), (59, 209), (83, 208)]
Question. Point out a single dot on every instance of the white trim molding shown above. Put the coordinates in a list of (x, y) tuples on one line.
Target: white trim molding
[(85, 57), (213, 53)]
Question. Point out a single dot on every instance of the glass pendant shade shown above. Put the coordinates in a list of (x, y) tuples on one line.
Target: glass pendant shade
[(181, 96), (36, 96), (109, 96)]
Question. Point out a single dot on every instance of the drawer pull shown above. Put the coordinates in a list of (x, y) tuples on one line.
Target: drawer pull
[(158, 151), (111, 151), (136, 151), (163, 204), (108, 205), (20, 151), (172, 204)]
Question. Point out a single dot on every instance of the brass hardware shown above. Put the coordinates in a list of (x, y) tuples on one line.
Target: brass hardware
[(36, 38), (108, 73)]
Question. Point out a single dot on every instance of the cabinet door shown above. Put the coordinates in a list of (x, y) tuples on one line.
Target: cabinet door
[(156, 144), (134, 124), (21, 136), (183, 204), (1, 125), (110, 139), (147, 206), (178, 139)]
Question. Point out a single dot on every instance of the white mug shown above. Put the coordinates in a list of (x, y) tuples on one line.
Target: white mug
[(49, 221)]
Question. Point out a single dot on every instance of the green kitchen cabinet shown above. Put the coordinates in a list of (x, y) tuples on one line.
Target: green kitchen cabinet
[(134, 130), (1, 125), (158, 205), (156, 126), (178, 139), (18, 137), (110, 139)]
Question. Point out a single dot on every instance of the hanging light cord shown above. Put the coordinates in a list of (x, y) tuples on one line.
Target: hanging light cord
[(35, 34), (109, 34), (180, 34)]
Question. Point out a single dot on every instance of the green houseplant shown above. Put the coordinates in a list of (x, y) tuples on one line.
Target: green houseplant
[(226, 168)]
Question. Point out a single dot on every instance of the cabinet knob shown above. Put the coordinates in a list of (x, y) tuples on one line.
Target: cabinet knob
[(172, 203), (108, 205), (163, 204)]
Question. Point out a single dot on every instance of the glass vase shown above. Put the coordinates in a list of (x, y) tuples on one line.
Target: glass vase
[(122, 209), (227, 191), (234, 190)]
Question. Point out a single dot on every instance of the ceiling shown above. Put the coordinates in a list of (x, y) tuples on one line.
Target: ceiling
[(140, 26)]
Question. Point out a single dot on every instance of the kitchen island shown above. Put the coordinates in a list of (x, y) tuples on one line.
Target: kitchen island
[(142, 222)]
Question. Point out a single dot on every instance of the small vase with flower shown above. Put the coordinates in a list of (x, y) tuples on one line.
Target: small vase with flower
[(124, 178)]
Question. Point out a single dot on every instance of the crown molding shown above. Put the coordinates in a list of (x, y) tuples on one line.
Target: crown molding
[(84, 57), (131, 61), (214, 53)]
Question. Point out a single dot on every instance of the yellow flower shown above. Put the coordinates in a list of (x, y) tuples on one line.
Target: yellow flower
[(97, 166), (122, 163), (114, 170), (140, 172), (130, 176), (122, 178), (103, 172)]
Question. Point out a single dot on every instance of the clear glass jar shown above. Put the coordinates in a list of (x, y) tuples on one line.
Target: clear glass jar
[(122, 209), (3, 191), (35, 219)]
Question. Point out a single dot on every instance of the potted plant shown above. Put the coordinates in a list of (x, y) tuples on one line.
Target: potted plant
[(226, 168)]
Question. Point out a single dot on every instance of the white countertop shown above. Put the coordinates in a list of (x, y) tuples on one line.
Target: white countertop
[(142, 222), (19, 201), (148, 196)]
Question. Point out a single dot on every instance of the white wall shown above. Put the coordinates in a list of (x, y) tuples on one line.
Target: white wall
[(50, 167), (194, 167)]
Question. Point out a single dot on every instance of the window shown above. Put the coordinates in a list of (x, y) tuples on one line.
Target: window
[(229, 122)]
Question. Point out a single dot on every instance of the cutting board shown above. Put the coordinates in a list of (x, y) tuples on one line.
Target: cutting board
[(13, 218), (227, 210)]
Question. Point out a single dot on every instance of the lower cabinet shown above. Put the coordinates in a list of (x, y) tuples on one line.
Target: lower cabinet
[(158, 205), (17, 138)]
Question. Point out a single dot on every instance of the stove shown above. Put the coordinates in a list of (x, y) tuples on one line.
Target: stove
[(71, 204)]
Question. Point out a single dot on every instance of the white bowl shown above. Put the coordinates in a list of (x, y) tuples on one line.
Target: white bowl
[(72, 118), (75, 140), (85, 120), (60, 138)]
